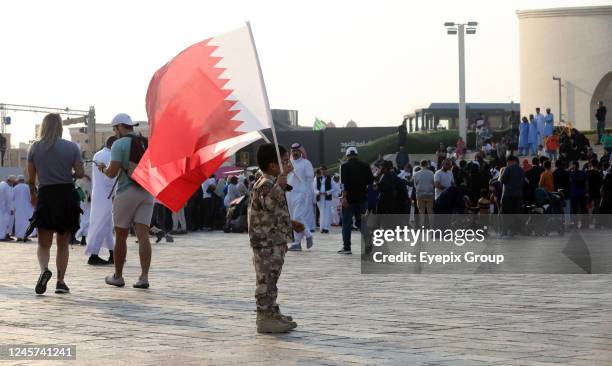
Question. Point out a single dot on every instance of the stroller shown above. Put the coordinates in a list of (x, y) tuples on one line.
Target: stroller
[(547, 214), (236, 218)]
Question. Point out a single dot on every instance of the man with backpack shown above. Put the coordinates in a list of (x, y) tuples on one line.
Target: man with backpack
[(132, 203)]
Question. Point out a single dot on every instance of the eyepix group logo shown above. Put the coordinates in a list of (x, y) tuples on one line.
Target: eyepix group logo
[(411, 236)]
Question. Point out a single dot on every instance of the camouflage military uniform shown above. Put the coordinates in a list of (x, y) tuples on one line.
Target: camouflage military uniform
[(269, 231)]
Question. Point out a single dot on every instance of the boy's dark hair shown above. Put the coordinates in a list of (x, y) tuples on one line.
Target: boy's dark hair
[(547, 164), (484, 192), (110, 141), (266, 154)]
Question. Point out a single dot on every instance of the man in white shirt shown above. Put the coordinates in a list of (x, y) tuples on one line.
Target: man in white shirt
[(6, 206), (23, 208), (424, 187), (299, 199), (101, 235), (209, 186), (406, 173), (12, 181), (443, 178)]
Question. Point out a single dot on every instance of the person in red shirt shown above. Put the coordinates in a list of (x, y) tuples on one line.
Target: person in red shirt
[(552, 146)]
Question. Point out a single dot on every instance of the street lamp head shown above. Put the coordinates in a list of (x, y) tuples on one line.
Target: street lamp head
[(451, 31), (449, 24), (470, 31), (472, 24)]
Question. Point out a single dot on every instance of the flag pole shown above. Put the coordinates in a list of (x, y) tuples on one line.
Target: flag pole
[(265, 95)]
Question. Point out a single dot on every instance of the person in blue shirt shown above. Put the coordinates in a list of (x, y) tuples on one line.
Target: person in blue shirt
[(539, 118), (533, 137), (523, 144), (549, 123)]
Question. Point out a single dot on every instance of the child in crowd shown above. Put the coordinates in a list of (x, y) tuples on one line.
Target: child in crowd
[(270, 229)]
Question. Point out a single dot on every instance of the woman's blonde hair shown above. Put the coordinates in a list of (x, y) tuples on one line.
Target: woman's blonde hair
[(51, 129)]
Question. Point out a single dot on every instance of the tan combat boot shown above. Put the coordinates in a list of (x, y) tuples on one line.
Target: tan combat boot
[(272, 323), (284, 317)]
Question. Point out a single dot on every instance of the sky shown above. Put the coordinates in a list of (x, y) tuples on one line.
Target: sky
[(369, 61)]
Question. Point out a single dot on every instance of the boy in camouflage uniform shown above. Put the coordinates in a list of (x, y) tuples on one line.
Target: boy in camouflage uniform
[(270, 229)]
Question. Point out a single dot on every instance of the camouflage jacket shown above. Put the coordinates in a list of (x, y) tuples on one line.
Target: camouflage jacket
[(269, 220)]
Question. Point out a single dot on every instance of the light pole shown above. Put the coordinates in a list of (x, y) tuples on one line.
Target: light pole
[(460, 30), (560, 100)]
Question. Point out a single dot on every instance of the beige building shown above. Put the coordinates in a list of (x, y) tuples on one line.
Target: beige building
[(574, 44), (103, 131)]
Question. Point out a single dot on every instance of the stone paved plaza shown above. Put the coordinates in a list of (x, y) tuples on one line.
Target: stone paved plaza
[(200, 310)]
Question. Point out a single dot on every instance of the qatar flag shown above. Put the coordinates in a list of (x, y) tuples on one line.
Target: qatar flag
[(203, 106)]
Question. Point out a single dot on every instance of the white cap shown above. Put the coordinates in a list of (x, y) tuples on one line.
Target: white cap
[(351, 151), (123, 119)]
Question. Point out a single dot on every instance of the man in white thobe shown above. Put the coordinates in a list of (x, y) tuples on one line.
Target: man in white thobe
[(101, 218), (299, 199), (12, 181), (5, 210), (23, 208), (324, 190)]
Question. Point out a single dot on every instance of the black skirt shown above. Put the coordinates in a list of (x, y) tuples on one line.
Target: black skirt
[(58, 209)]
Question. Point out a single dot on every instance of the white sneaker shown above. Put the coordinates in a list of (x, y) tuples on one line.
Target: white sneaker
[(114, 281)]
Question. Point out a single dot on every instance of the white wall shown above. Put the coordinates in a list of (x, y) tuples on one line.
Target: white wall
[(572, 43)]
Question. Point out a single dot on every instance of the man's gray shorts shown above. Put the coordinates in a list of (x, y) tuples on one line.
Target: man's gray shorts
[(134, 205)]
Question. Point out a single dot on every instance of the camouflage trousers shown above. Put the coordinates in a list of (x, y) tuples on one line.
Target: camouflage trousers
[(268, 264)]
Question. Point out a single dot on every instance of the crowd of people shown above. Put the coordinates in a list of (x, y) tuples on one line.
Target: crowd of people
[(460, 186), (220, 203), (57, 199), (551, 169), (16, 208)]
